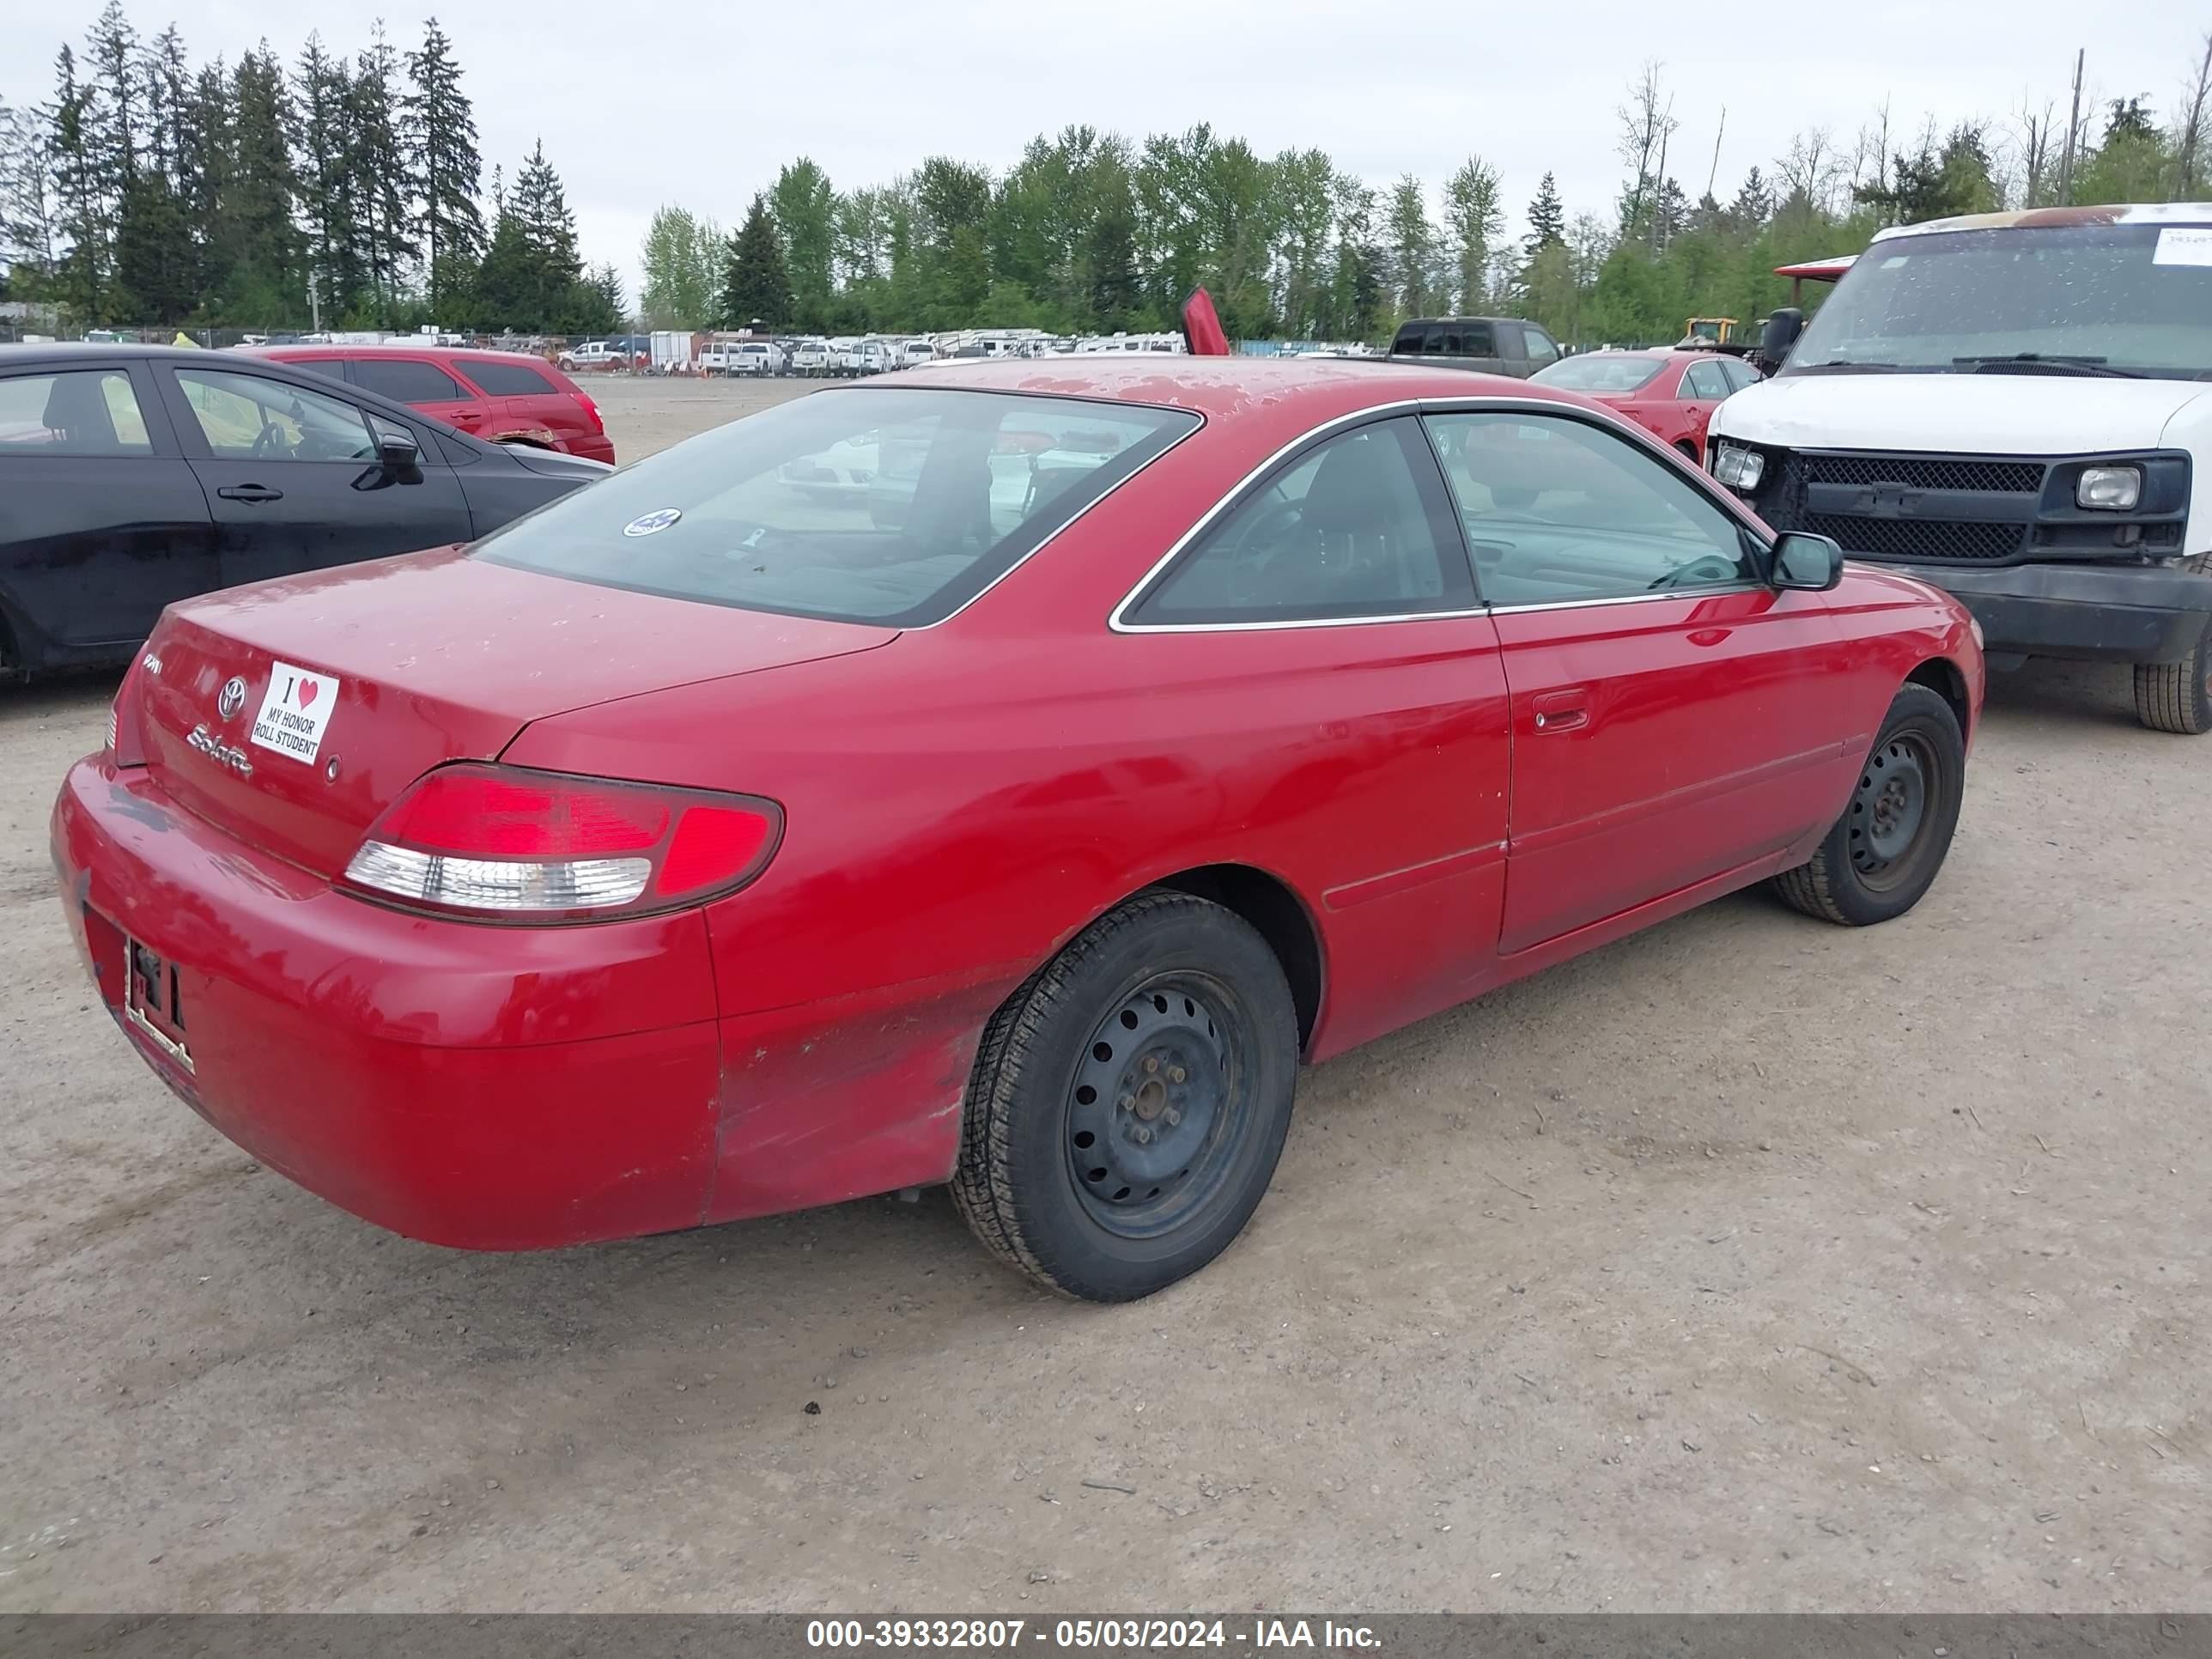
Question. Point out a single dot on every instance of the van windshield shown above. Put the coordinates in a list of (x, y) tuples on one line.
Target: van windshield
[(2134, 299), (888, 506)]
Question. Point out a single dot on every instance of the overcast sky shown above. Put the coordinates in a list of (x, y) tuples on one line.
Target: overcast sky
[(666, 100)]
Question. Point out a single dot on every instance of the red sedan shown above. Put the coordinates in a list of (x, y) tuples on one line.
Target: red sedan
[(1005, 775), (502, 397), (1671, 394)]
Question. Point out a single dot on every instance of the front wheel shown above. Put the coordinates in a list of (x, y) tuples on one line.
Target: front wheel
[(2177, 696), (1130, 1101), (1886, 849)]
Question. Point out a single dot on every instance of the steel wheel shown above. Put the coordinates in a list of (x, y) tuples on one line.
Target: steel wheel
[(1889, 809), (1153, 1112)]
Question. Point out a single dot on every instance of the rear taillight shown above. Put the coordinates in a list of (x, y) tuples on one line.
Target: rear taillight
[(591, 410), (500, 843), (126, 744)]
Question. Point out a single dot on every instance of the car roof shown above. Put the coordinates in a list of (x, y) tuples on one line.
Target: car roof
[(1297, 387), (325, 348)]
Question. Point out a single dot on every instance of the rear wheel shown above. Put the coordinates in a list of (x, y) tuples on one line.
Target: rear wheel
[(1886, 849), (1130, 1101), (2177, 696)]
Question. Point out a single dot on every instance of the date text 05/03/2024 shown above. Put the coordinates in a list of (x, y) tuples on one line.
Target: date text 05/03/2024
[(1007, 1635)]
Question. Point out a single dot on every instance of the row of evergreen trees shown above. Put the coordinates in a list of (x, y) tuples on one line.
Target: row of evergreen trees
[(1089, 231), (252, 195)]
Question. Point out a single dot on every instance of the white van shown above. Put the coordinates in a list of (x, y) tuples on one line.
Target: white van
[(867, 357), (2017, 408)]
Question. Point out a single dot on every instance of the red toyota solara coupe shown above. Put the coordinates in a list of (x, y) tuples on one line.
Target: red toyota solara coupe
[(1002, 775)]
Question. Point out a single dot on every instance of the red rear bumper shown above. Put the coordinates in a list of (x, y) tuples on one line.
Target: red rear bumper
[(491, 1088)]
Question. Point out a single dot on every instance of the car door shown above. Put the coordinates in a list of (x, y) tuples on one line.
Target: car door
[(1673, 720), (420, 383), (1704, 387), (292, 475), (1328, 615), (101, 520)]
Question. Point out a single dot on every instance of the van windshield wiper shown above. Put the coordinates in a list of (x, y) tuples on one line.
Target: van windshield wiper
[(2056, 359), (1853, 364)]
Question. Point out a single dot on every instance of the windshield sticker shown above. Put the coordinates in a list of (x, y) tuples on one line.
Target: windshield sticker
[(2184, 247), (645, 524), (1894, 261)]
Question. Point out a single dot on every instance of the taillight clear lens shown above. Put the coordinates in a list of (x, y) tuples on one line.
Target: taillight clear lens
[(125, 744), (497, 841)]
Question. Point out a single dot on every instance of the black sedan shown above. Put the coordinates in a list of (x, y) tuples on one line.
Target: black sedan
[(130, 475)]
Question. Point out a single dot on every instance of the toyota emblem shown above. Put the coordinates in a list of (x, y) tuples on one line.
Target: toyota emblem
[(232, 698)]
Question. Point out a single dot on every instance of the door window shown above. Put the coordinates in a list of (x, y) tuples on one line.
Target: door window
[(1541, 348), (1705, 380), (247, 418), (81, 412), (1357, 527), (1740, 375), (407, 381), (508, 380), (1559, 512)]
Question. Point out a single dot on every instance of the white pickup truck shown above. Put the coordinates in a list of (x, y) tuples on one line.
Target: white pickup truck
[(2016, 408)]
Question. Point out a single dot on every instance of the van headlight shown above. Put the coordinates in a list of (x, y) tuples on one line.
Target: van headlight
[(2113, 489), (1737, 467)]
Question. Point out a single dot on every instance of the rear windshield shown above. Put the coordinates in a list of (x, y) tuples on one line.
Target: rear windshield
[(1601, 374), (887, 507)]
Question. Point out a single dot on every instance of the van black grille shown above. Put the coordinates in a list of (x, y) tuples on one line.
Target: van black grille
[(1916, 529), (1925, 472), (1935, 541)]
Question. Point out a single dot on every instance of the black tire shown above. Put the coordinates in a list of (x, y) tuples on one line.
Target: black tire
[(1886, 849), (2177, 696), (1204, 1002)]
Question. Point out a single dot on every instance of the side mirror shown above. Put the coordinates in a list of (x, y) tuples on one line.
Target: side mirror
[(1783, 329), (1813, 563), (396, 451)]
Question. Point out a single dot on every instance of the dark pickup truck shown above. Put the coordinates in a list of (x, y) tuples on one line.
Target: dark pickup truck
[(1489, 345)]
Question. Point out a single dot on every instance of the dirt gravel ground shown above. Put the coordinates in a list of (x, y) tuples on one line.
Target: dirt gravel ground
[(1748, 1264)]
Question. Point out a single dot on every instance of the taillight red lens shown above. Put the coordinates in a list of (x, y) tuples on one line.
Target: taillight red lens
[(503, 843), (591, 410)]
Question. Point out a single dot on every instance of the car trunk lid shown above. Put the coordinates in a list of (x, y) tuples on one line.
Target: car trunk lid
[(369, 675)]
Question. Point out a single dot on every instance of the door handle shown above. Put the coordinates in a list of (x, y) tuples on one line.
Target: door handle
[(250, 492), (1563, 711)]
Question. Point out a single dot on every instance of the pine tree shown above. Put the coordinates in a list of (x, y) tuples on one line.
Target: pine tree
[(112, 51), (1413, 239), (550, 269), (267, 267), (383, 227), (437, 129), (323, 99), (81, 221), (756, 287), (1548, 219), (157, 277)]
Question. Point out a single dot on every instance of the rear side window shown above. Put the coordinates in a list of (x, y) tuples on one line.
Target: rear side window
[(1412, 340), (895, 508), (1359, 525), (406, 381), (1705, 380), (1481, 340), (508, 379), (81, 412)]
